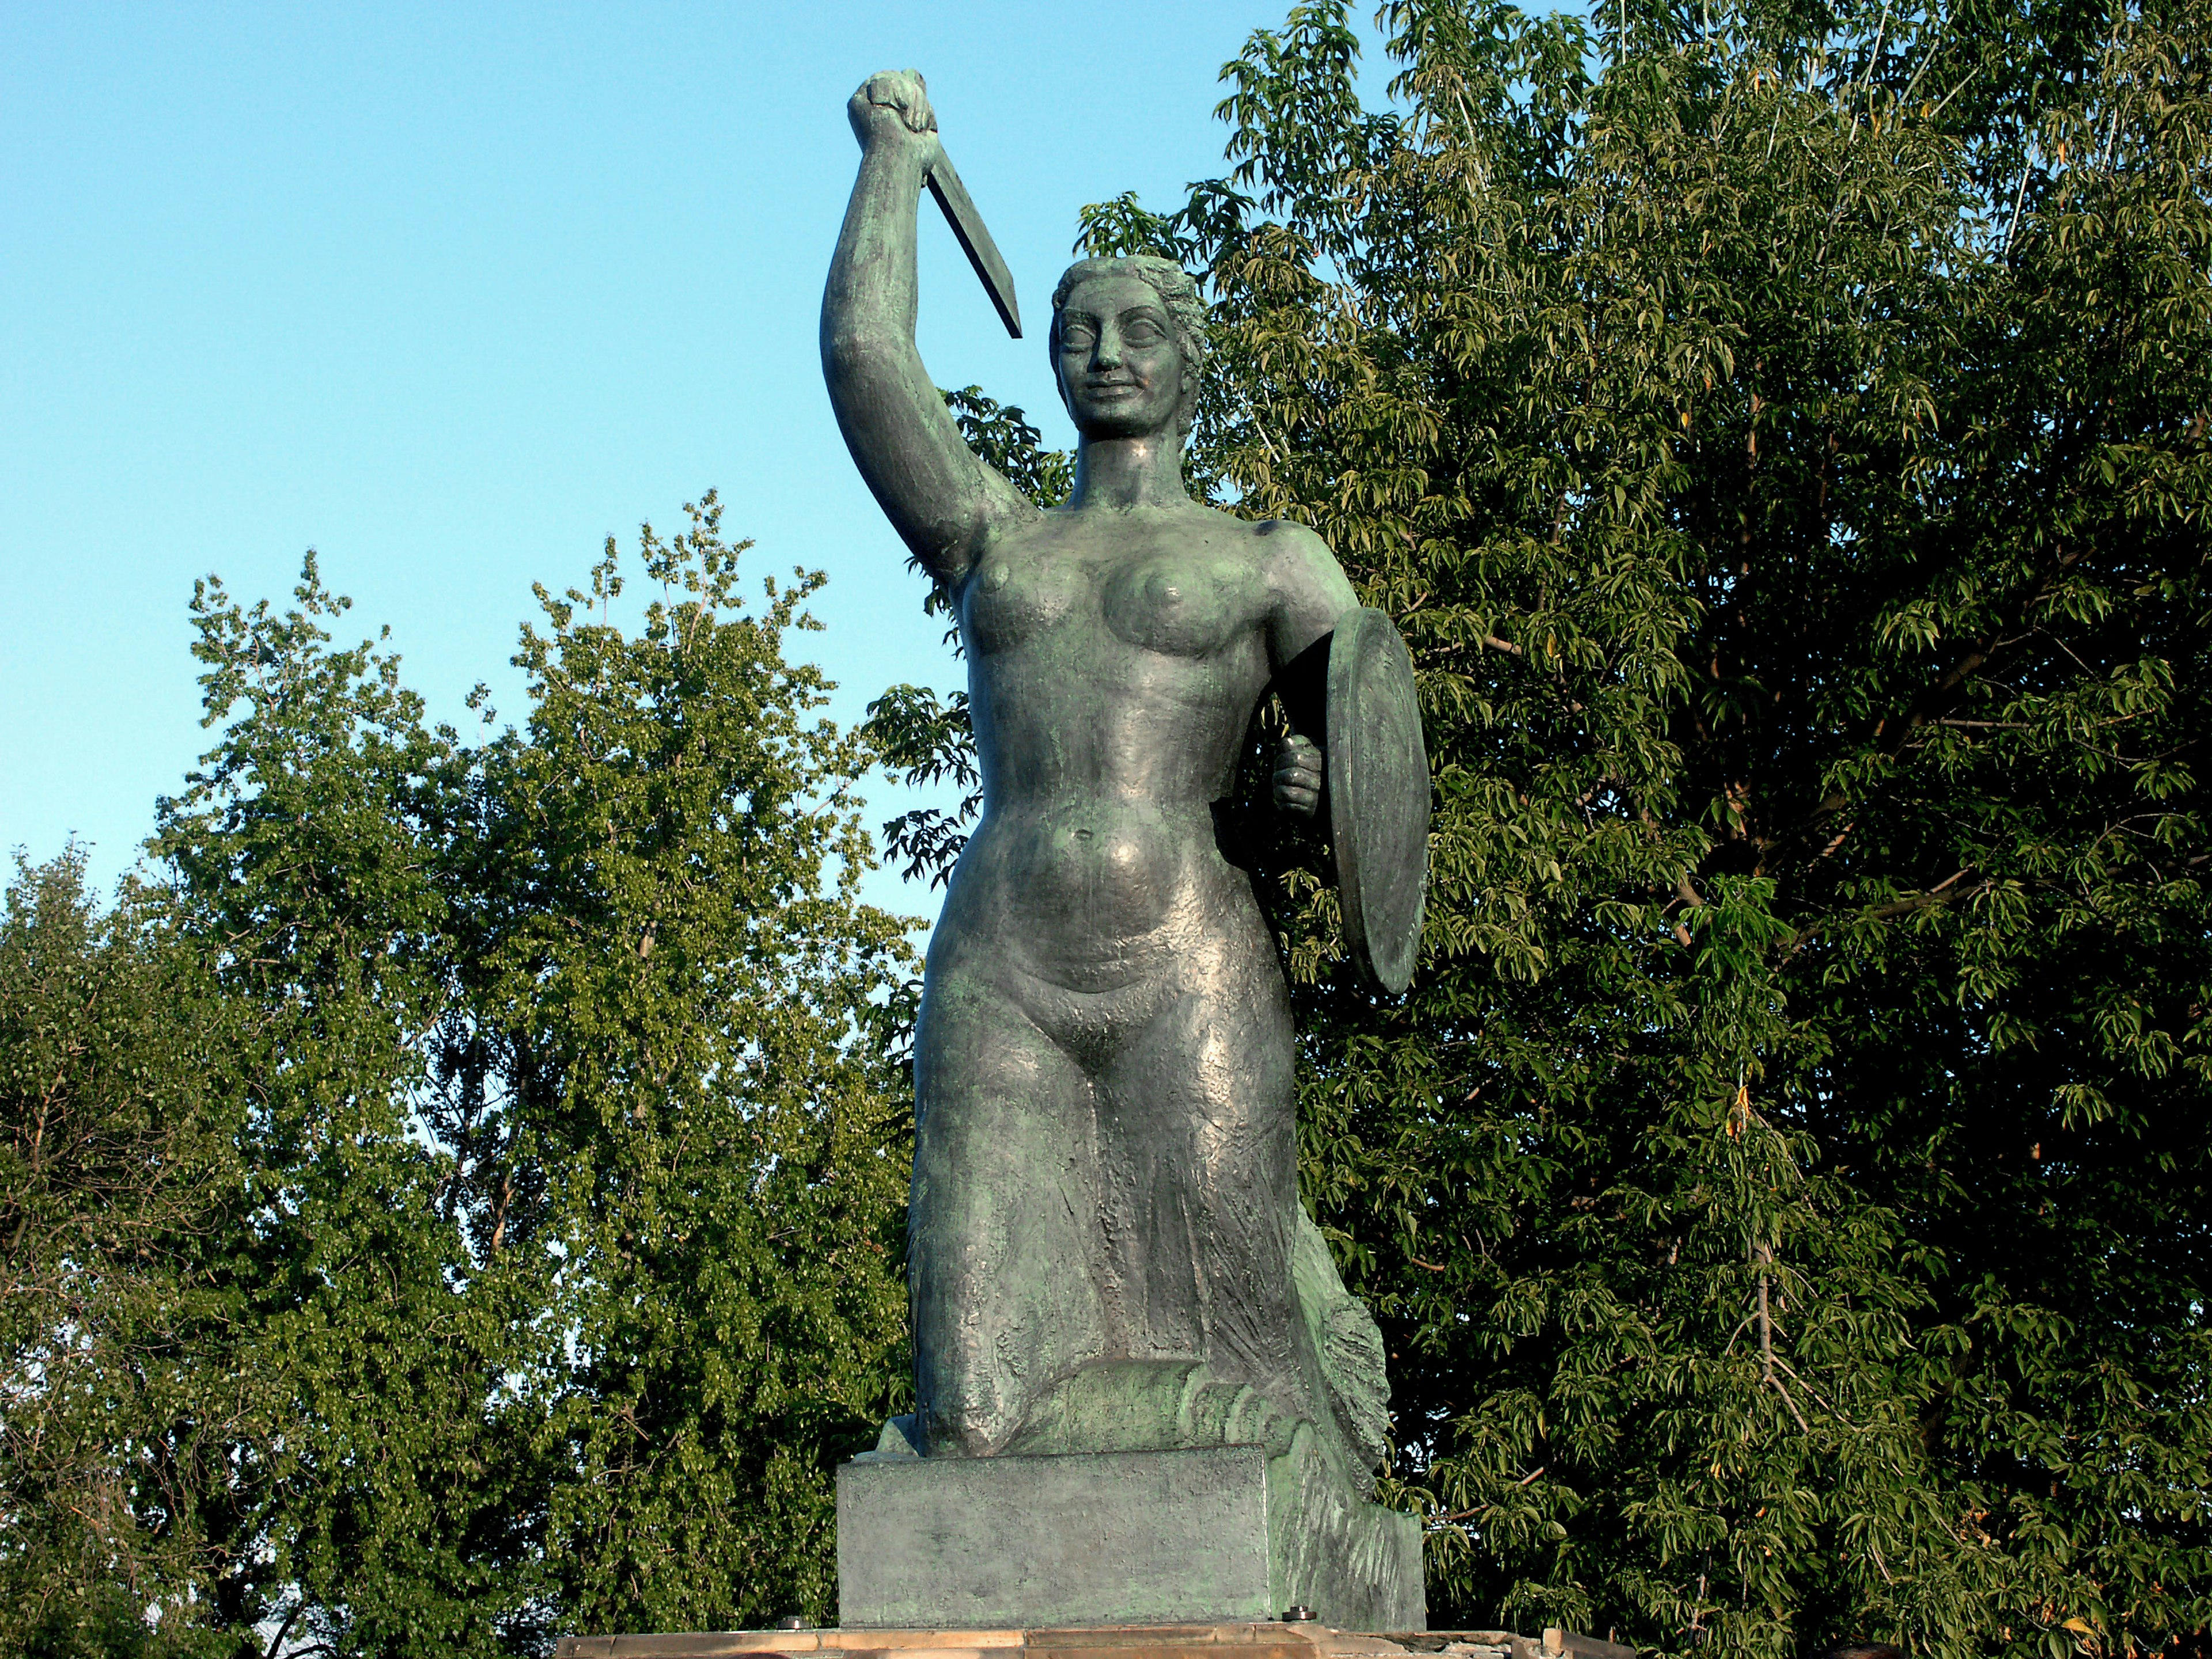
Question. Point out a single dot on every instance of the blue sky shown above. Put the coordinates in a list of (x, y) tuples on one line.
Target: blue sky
[(449, 292)]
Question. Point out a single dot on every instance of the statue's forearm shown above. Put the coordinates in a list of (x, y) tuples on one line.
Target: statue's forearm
[(943, 502), (939, 497), (868, 307)]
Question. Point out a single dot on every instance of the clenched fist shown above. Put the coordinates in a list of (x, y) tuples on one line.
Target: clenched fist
[(893, 107), (1297, 775)]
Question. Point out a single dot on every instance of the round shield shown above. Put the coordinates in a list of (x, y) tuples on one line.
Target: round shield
[(1378, 793)]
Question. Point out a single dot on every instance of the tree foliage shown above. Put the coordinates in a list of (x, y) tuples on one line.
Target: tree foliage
[(678, 1068), (463, 1205), (116, 1182), (370, 1500), (1780, 431)]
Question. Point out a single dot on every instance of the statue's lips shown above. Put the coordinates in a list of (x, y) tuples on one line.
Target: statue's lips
[(1112, 388)]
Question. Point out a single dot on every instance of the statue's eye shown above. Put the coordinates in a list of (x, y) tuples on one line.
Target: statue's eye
[(1077, 337), (1142, 330)]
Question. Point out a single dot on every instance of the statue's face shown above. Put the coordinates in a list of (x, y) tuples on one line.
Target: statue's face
[(1120, 371)]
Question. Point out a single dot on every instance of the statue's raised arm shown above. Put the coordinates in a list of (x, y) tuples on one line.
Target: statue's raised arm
[(944, 503)]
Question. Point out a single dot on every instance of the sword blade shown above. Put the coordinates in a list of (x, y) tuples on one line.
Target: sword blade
[(975, 240)]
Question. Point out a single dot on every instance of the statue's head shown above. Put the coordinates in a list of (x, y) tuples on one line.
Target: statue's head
[(1129, 346)]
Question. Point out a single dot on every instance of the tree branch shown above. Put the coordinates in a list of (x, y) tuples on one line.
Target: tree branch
[(1939, 894)]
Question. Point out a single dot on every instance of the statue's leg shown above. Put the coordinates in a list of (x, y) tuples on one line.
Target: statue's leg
[(1003, 1251), (1197, 1140), (1198, 1153)]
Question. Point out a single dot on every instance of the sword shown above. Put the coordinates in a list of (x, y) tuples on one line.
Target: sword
[(975, 241)]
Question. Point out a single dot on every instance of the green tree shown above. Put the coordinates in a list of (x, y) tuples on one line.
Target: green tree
[(378, 1494), (1781, 433), (117, 1177), (678, 1066), (463, 1203)]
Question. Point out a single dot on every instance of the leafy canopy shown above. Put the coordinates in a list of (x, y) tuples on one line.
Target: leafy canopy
[(463, 1205)]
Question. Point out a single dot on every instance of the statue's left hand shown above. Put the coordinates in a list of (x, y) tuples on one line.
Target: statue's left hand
[(1297, 775)]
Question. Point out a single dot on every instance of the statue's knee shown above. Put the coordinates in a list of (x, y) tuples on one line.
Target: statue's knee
[(960, 1430)]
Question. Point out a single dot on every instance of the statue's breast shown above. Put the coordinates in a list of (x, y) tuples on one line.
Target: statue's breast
[(1010, 601), (1180, 603)]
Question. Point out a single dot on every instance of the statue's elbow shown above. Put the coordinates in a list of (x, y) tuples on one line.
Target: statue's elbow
[(849, 347)]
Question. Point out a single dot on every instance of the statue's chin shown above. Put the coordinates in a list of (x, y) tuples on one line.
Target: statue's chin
[(1133, 424)]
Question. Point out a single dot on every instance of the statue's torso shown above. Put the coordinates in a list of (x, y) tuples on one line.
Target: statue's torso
[(1114, 659)]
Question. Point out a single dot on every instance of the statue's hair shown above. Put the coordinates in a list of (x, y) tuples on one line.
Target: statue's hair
[(1178, 295)]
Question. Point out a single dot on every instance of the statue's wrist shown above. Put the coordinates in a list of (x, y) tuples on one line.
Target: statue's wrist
[(898, 159)]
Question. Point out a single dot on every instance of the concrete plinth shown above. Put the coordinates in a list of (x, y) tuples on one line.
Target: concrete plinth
[(1089, 1538), (1214, 1534)]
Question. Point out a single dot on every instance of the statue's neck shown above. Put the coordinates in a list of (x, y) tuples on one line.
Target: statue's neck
[(1129, 472)]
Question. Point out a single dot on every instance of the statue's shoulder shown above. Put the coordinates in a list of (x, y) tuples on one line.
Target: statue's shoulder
[(1290, 552), (1276, 539), (1307, 588), (1267, 539)]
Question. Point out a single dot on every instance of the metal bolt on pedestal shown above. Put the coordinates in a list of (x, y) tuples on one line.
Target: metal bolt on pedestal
[(793, 1622), (1297, 1615)]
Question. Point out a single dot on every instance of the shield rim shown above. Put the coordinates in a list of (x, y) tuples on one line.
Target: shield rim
[(1346, 780)]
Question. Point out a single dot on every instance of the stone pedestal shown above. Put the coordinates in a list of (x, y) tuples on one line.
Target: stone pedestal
[(1108, 1538), (1214, 1534)]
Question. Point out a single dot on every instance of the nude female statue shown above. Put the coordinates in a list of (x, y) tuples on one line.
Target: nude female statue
[(1107, 1246)]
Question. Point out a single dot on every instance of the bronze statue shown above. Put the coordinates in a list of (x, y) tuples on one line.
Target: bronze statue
[(1107, 1249)]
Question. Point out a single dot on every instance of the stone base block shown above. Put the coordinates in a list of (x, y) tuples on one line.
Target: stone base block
[(1103, 1538), (1211, 1534)]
